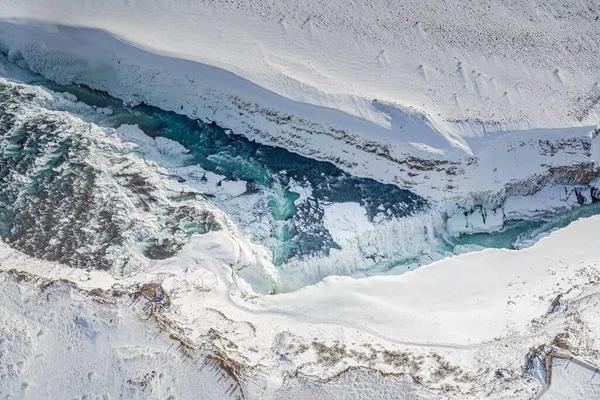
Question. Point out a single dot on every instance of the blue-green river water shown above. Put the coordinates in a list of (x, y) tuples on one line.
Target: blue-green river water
[(297, 228)]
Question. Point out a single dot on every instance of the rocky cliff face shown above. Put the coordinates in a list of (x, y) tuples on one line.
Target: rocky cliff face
[(72, 192)]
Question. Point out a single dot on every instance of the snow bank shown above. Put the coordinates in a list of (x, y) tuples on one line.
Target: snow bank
[(492, 61), (344, 221), (488, 291), (425, 98)]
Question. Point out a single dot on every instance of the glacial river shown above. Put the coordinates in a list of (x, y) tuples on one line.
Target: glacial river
[(297, 206)]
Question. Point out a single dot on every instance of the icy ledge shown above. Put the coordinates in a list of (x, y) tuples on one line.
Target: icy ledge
[(399, 245), (388, 142)]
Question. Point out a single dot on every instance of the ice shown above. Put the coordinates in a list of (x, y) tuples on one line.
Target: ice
[(304, 190), (167, 151), (169, 147), (408, 237), (474, 221), (551, 199), (344, 221), (234, 188)]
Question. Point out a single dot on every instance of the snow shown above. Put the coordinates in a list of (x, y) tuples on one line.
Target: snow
[(354, 385), (233, 188), (463, 84), (208, 182), (479, 220), (571, 381), (60, 343), (345, 221), (490, 98), (169, 147), (161, 149), (551, 199), (311, 52), (303, 190)]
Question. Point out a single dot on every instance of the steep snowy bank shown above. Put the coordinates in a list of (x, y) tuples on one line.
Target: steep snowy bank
[(462, 120), (446, 59)]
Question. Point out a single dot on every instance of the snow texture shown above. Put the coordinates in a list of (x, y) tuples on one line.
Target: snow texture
[(60, 344), (438, 99)]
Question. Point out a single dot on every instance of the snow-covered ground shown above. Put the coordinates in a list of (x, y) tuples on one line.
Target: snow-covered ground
[(449, 327), (571, 381), (56, 342)]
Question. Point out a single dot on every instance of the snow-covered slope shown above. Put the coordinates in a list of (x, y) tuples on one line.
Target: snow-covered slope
[(418, 96), (56, 343), (571, 382), (461, 326), (447, 58)]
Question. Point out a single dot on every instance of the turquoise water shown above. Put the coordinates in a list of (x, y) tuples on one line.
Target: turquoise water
[(297, 229), (515, 234)]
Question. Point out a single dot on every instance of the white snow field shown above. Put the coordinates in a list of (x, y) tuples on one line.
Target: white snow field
[(489, 109), (56, 343), (453, 98), (571, 382)]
